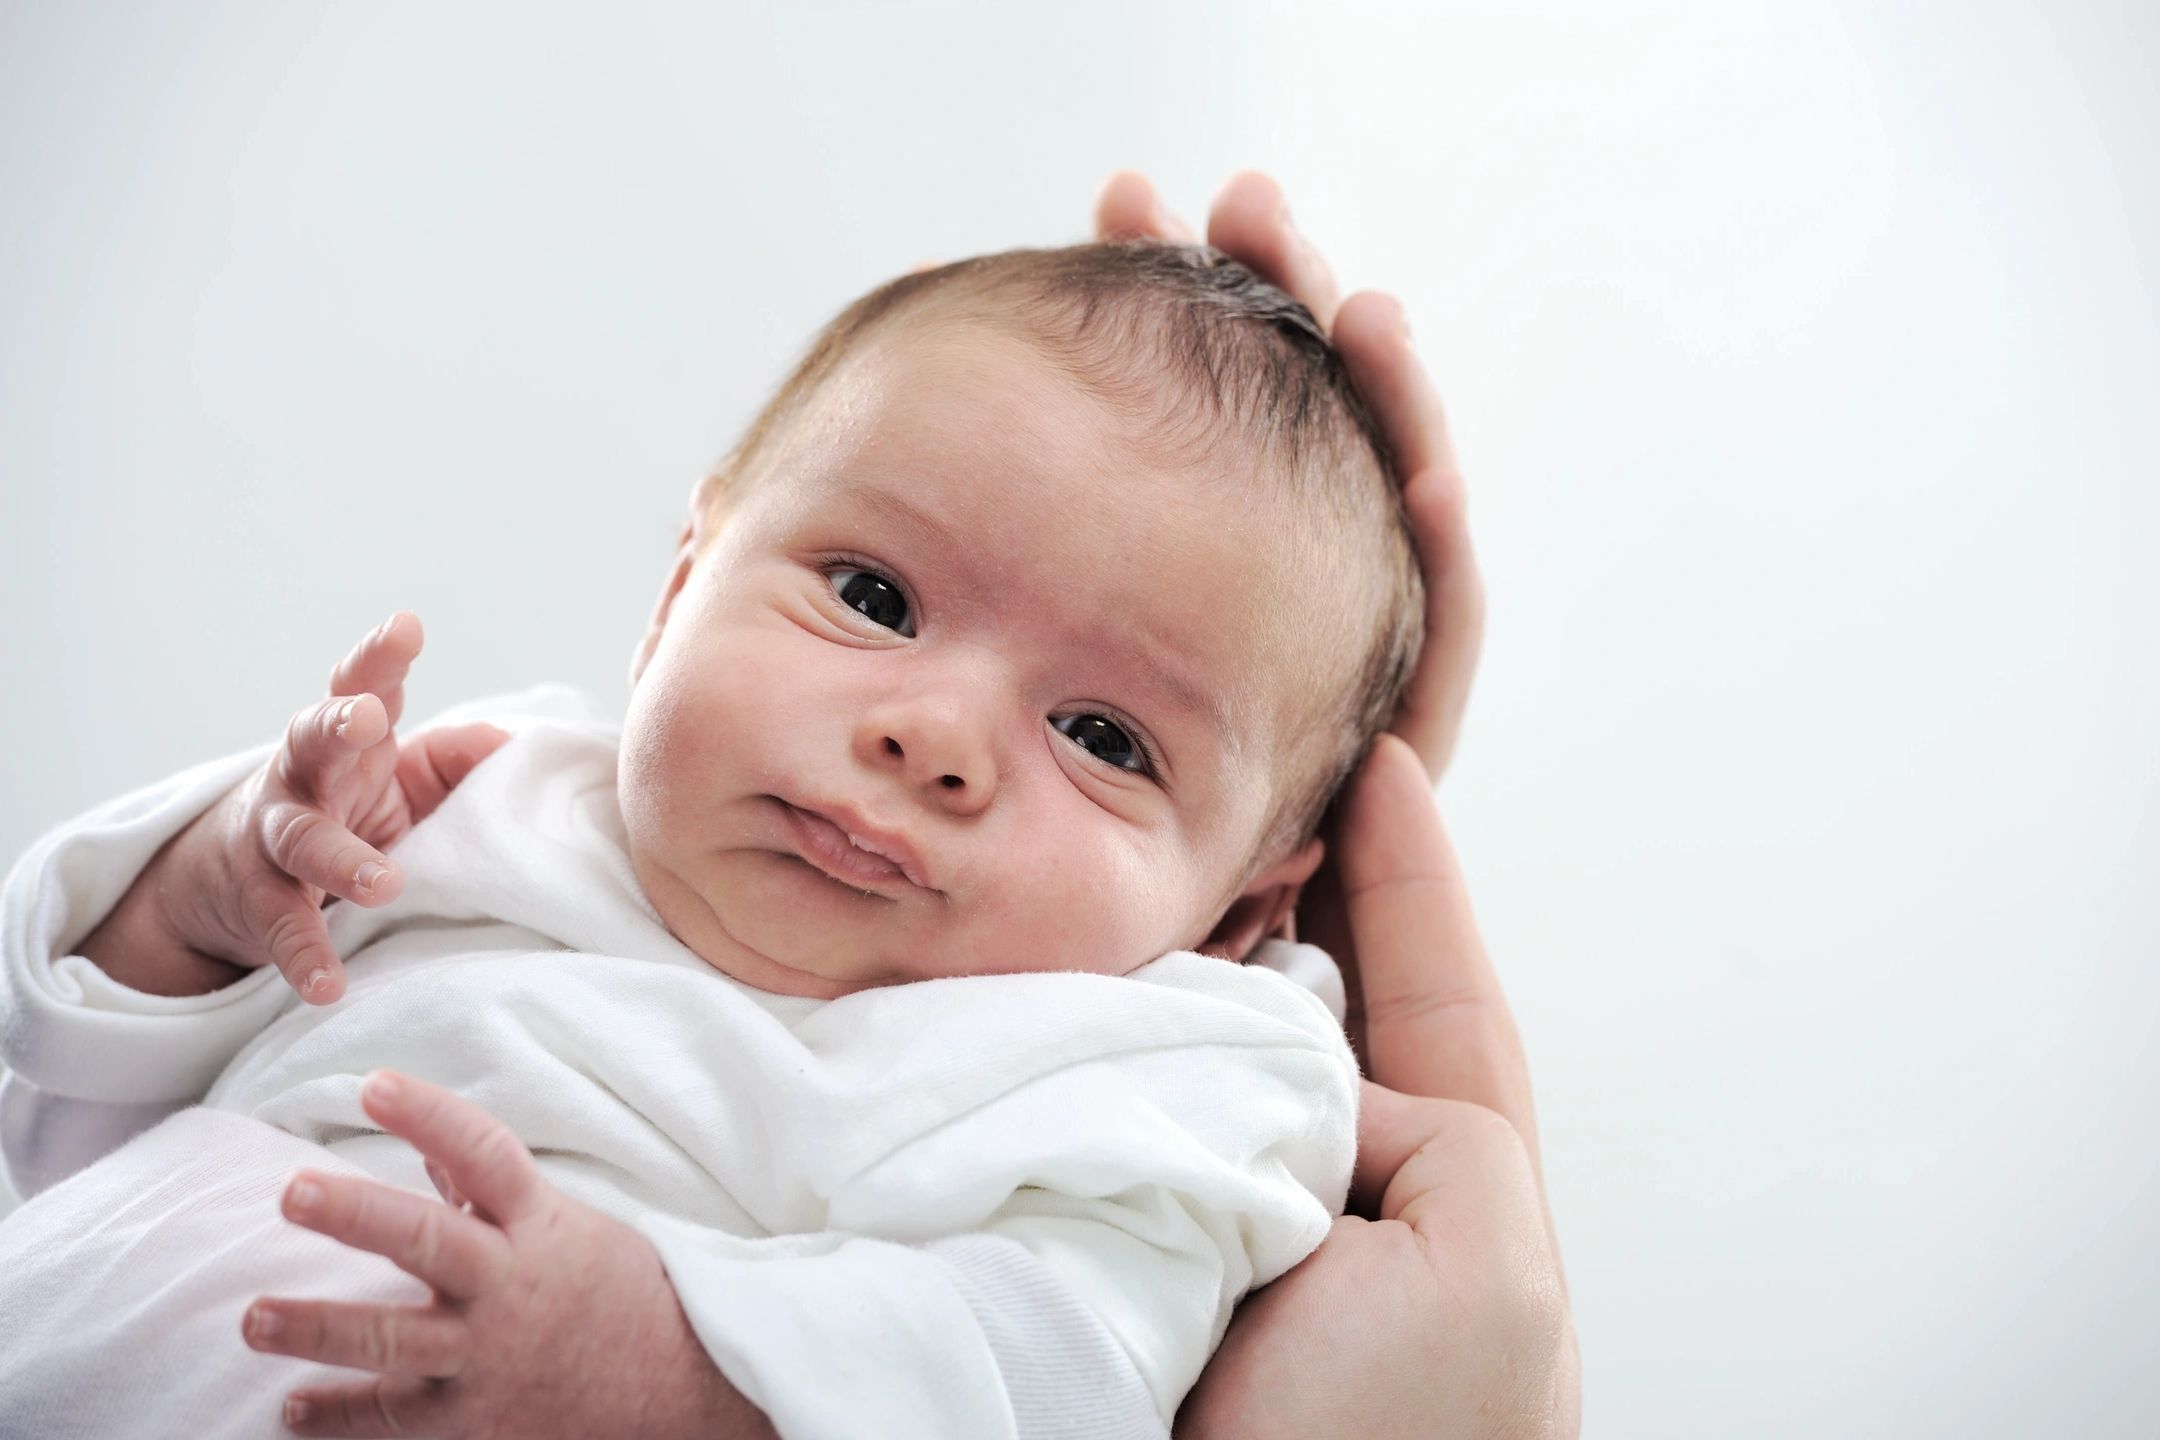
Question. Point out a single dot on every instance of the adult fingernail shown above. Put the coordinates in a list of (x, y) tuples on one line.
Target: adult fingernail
[(370, 875)]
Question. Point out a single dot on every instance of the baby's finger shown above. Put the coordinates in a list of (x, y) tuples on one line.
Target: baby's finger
[(377, 665), (393, 1405), (283, 926), (316, 850), (460, 1256), (388, 1339), (480, 1153), (433, 763), (1127, 205), (324, 741), (445, 1186), (1250, 222)]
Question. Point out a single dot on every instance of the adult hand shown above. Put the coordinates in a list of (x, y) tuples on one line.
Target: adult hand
[(1463, 1314), (1446, 1313), (1250, 222)]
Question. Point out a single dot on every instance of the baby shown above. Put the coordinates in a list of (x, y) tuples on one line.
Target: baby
[(881, 971)]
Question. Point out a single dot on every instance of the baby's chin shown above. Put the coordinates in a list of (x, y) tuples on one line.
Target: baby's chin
[(775, 923)]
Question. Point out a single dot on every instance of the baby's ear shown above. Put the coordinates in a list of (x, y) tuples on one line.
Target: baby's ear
[(687, 545), (1267, 898)]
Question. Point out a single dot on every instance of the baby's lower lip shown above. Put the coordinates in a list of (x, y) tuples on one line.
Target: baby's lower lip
[(826, 846)]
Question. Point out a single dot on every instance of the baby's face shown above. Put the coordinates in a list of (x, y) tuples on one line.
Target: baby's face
[(1040, 676)]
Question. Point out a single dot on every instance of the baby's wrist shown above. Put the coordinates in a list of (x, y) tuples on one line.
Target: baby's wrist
[(135, 947)]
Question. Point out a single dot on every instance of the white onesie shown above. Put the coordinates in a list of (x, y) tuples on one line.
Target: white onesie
[(999, 1205)]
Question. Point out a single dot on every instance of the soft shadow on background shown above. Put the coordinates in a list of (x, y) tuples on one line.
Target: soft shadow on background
[(1803, 367)]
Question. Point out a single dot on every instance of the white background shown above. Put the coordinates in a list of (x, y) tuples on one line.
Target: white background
[(1804, 365)]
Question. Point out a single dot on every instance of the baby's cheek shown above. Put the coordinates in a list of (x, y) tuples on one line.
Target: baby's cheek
[(1076, 902), (663, 764)]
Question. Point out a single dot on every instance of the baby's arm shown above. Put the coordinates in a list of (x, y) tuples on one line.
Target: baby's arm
[(548, 1318), (88, 1061), (114, 1009)]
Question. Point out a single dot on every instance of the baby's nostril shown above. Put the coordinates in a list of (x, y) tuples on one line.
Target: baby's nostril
[(892, 746), (951, 782)]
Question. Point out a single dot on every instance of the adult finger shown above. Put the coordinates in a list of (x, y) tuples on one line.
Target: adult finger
[(282, 925), (1250, 221), (1127, 206), (1373, 334), (378, 664), (1374, 339), (481, 1154), (434, 762), (457, 1254), (1436, 1022), (393, 1405), (388, 1339)]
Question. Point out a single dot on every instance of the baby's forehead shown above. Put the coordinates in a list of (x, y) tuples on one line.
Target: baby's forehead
[(1133, 404)]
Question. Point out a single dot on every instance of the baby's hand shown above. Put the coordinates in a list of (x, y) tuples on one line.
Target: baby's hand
[(244, 885), (548, 1318)]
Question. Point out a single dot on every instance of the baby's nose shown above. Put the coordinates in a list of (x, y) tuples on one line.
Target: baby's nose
[(937, 749)]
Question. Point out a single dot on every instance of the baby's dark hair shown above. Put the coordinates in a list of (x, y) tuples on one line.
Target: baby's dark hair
[(1249, 367)]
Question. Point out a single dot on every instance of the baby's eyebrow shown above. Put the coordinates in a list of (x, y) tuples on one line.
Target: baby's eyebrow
[(1204, 701), (1193, 699)]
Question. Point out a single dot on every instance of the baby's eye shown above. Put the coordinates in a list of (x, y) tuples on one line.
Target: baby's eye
[(1104, 740), (873, 595)]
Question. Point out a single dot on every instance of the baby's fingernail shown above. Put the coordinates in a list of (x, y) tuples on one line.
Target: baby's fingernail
[(345, 714), (264, 1324), (314, 982), (381, 1087), (370, 875), (303, 1195), (297, 1411)]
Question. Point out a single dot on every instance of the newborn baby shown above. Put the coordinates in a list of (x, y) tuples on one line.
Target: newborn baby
[(883, 971)]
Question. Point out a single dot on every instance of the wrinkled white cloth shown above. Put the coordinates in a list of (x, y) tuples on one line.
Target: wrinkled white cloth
[(1002, 1205)]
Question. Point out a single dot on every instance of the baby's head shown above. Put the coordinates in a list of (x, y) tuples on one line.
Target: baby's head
[(1073, 582)]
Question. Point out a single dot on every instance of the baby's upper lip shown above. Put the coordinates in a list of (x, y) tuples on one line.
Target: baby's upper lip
[(868, 835)]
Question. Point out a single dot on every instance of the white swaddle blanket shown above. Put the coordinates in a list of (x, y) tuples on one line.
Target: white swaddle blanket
[(989, 1205)]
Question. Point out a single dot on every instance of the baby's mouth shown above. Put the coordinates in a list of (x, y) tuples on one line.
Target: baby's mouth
[(831, 849)]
